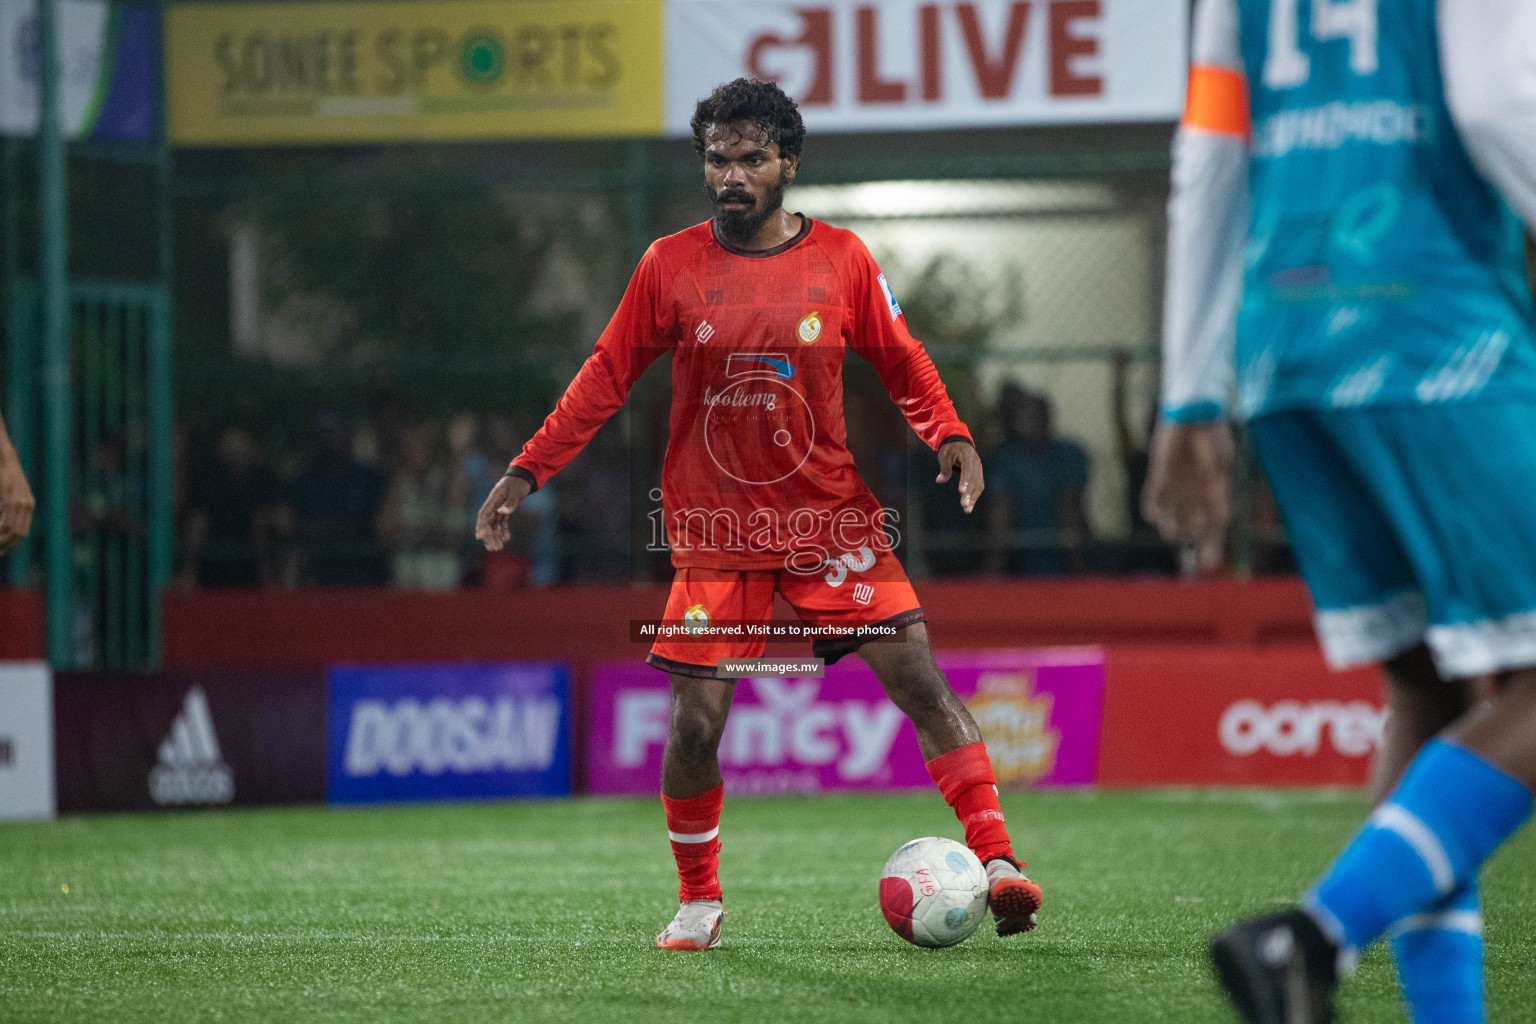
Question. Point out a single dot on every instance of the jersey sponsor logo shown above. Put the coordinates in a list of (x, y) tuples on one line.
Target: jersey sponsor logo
[(459, 737), (695, 619), (890, 297), (738, 397), (810, 328), (191, 768), (704, 332), (863, 593), (1336, 124), (777, 362), (1288, 727)]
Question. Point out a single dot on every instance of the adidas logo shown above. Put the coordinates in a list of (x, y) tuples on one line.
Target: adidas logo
[(191, 769)]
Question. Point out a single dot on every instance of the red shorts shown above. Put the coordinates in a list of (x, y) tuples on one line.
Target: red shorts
[(876, 594)]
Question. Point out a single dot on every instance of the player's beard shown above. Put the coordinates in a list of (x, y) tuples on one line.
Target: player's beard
[(739, 227)]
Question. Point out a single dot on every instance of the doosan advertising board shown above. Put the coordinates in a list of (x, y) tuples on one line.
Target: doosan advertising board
[(448, 732), (1039, 710)]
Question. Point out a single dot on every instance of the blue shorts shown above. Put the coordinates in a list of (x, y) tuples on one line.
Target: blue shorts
[(1412, 524)]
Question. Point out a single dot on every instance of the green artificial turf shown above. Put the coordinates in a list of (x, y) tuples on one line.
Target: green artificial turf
[(546, 911)]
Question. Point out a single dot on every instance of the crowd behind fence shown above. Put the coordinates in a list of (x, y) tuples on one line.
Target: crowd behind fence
[(389, 500)]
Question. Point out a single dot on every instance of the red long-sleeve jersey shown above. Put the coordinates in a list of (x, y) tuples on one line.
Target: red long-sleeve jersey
[(757, 468)]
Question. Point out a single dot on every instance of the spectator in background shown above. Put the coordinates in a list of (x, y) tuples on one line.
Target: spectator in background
[(1145, 550), (1037, 525), (336, 503), (420, 520), (598, 516), (532, 555), (233, 507)]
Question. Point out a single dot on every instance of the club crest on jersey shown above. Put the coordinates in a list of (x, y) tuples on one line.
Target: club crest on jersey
[(810, 328), (695, 619), (890, 297)]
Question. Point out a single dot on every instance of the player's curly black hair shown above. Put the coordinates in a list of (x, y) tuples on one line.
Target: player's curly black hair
[(764, 104)]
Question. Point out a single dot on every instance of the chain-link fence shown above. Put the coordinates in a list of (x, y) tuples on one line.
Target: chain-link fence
[(365, 338)]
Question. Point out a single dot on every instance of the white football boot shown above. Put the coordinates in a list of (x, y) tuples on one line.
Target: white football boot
[(696, 926), (1014, 899)]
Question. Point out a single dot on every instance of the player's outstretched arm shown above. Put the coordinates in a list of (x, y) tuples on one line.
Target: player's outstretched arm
[(962, 455), (492, 525), (16, 501)]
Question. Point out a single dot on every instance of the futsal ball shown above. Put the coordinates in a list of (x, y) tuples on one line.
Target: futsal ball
[(933, 892)]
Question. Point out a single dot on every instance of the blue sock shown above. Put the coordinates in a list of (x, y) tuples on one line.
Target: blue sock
[(1446, 817), (1440, 960)]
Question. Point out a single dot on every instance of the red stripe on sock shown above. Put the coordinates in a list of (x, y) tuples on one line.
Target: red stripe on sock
[(698, 864), (964, 776)]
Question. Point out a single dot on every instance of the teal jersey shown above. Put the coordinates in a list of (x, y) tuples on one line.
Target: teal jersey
[(1381, 268)]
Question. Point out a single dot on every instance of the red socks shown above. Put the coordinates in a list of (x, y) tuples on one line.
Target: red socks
[(965, 778), (694, 827)]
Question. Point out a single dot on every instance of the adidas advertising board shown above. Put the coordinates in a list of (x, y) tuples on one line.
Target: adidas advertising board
[(189, 739), (26, 741), (448, 732)]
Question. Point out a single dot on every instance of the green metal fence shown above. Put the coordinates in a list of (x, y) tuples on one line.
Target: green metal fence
[(119, 466)]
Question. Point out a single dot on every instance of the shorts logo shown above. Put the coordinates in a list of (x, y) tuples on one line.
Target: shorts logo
[(860, 561), (705, 331), (810, 328), (890, 297), (863, 593), (695, 619)]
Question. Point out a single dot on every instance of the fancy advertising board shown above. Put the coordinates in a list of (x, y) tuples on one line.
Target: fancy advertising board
[(1038, 709), (307, 73)]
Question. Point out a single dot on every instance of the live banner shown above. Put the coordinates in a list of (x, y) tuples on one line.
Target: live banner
[(1038, 709)]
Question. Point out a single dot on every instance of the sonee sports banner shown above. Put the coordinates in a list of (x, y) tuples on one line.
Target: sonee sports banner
[(449, 732)]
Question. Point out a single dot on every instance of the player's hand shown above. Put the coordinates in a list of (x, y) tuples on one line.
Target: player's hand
[(16, 503), (492, 525), (1188, 496), (962, 454)]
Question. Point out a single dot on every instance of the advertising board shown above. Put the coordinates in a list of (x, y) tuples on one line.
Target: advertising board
[(26, 741), (131, 741), (106, 69), (446, 732), (297, 73), (1190, 716), (1039, 710)]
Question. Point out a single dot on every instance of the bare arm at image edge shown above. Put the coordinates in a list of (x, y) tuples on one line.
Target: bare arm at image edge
[(16, 501)]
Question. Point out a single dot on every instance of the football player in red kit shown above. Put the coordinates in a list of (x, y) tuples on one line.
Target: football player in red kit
[(758, 306)]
